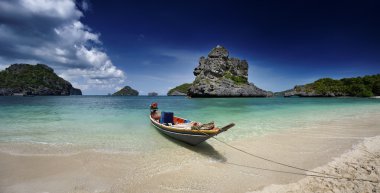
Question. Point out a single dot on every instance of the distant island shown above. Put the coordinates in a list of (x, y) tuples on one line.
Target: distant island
[(152, 94), (40, 79), (180, 90), (126, 91), (365, 86)]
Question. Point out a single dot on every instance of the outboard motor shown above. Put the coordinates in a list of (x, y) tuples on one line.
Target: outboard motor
[(153, 111)]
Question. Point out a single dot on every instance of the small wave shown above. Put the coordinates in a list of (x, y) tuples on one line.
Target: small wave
[(36, 148)]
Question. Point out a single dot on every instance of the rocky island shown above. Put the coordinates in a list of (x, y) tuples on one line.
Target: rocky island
[(40, 79), (366, 86), (126, 91), (152, 94), (221, 76), (180, 90)]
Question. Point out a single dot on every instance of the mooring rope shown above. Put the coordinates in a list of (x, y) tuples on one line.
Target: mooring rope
[(316, 174), (269, 160), (286, 172)]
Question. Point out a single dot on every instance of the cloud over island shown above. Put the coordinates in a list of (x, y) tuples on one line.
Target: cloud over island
[(50, 32)]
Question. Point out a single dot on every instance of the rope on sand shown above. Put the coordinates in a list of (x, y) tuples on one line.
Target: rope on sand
[(315, 174)]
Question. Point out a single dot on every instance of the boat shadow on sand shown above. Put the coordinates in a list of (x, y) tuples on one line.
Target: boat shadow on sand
[(203, 149)]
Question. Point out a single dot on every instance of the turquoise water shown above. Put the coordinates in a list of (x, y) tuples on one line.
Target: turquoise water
[(122, 124)]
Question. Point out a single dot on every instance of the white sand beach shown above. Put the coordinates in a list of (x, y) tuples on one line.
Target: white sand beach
[(342, 147), (360, 164)]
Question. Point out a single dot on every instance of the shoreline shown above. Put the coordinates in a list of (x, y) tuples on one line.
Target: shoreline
[(365, 154), (188, 169)]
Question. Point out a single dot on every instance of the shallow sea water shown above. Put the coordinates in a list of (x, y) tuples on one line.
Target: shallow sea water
[(121, 124)]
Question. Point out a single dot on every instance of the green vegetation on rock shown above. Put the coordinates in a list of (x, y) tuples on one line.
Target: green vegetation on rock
[(217, 75), (152, 94), (181, 88), (35, 80), (360, 86), (126, 91), (376, 88), (236, 79), (25, 75)]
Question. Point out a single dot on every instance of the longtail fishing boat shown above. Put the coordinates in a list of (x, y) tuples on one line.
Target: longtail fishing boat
[(184, 130)]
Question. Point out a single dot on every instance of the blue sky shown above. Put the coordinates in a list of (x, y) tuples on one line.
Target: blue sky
[(101, 46)]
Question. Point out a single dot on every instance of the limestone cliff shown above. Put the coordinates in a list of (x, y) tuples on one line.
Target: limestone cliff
[(221, 76)]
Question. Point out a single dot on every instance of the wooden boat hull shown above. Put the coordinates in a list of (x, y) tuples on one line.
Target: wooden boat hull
[(187, 137)]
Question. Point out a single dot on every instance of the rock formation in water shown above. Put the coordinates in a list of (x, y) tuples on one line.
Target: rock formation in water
[(221, 76), (152, 94), (126, 91), (177, 93), (75, 91), (180, 90), (366, 86), (27, 79)]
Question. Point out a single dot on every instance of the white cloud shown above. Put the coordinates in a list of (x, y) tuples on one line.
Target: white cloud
[(85, 5), (50, 32), (51, 8)]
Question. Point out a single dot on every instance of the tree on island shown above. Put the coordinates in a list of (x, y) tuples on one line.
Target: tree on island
[(39, 79), (179, 90), (152, 94), (126, 91), (376, 88), (366, 86)]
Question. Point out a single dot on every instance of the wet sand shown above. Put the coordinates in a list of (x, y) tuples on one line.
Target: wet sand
[(210, 167)]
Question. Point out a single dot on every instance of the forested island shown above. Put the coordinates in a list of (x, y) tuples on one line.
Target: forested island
[(365, 86), (152, 94), (126, 91), (180, 90), (40, 79)]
